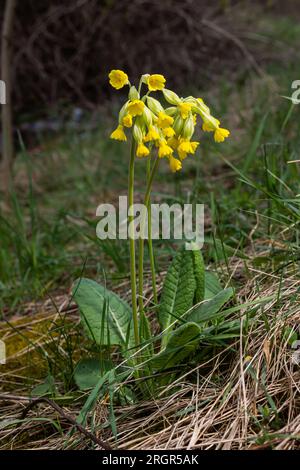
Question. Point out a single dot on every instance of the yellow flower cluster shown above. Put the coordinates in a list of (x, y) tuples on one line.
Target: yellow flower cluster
[(168, 129)]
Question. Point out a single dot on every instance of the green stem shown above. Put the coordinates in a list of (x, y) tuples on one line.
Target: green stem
[(132, 243), (142, 228), (150, 245)]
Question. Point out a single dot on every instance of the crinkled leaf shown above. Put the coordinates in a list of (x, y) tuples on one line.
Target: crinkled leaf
[(209, 309), (88, 371), (178, 291), (182, 343), (106, 317), (199, 272), (212, 285)]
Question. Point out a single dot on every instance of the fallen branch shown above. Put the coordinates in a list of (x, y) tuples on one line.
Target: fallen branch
[(59, 410)]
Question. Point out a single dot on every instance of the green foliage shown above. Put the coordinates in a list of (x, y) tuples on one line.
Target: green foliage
[(180, 345), (191, 299), (178, 291), (199, 273), (106, 317), (209, 309), (89, 371)]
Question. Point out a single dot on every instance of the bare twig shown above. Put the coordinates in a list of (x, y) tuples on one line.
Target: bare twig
[(65, 416)]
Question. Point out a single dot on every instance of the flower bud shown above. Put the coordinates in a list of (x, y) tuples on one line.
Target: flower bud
[(133, 94), (171, 97), (171, 111), (154, 105), (202, 106), (138, 130), (188, 128), (147, 116), (178, 124), (145, 78), (123, 112)]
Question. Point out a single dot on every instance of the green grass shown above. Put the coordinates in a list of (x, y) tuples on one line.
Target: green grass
[(252, 199), (48, 238)]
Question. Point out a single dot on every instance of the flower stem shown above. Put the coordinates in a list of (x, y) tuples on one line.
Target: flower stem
[(150, 245), (132, 243), (142, 229)]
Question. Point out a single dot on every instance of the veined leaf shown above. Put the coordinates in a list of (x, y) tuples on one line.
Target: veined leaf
[(199, 272), (106, 317), (182, 343), (178, 291), (212, 285), (88, 372), (209, 309)]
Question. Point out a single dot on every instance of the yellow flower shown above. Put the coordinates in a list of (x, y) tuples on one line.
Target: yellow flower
[(151, 135), (164, 120), (156, 82), (173, 142), (127, 120), (186, 147), (164, 149), (118, 134), (118, 78), (221, 134), (175, 165), (142, 151), (210, 124), (194, 146), (182, 155), (136, 108), (185, 109), (168, 132), (195, 119)]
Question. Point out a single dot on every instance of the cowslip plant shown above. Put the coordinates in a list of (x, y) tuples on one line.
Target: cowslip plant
[(159, 129)]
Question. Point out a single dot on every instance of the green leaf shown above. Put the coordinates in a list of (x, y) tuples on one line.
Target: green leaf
[(199, 272), (212, 285), (208, 310), (178, 291), (45, 388), (106, 317), (182, 343), (88, 371)]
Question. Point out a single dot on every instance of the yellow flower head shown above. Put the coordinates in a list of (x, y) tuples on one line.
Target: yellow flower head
[(127, 120), (142, 151), (194, 146), (156, 82), (118, 78), (221, 134), (136, 108), (164, 149), (168, 132), (175, 165), (185, 109), (210, 124), (119, 134), (173, 142), (151, 135), (164, 120), (186, 147)]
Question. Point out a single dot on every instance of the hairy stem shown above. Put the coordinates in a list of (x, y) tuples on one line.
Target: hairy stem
[(132, 243), (142, 229), (150, 245)]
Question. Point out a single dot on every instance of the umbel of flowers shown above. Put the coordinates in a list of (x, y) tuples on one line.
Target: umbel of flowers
[(170, 128)]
